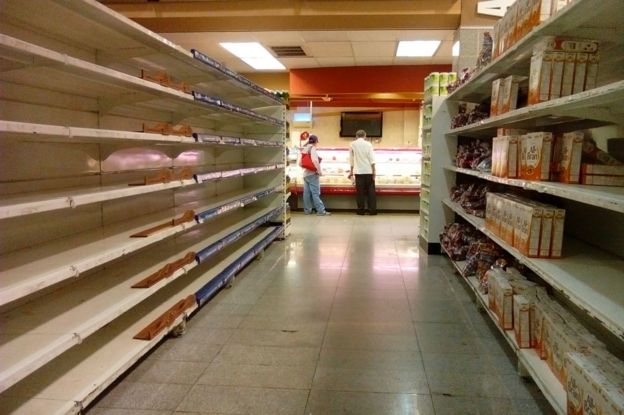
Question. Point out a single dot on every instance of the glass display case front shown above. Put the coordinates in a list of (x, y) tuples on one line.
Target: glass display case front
[(398, 171)]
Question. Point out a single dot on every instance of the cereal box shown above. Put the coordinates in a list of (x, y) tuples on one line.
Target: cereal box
[(556, 80), (526, 234), (570, 157), (495, 97), (567, 79), (580, 72), (501, 302), (589, 389), (535, 155), (509, 88), (539, 77), (521, 321)]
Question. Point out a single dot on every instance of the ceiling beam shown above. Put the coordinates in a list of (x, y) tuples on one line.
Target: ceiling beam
[(264, 15)]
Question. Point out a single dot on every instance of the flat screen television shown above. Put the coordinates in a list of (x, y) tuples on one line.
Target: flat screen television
[(369, 121)]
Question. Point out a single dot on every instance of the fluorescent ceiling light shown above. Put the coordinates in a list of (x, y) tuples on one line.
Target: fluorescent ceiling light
[(417, 47), (253, 54), (456, 48)]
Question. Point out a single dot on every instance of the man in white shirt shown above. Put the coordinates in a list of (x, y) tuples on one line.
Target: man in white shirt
[(362, 161)]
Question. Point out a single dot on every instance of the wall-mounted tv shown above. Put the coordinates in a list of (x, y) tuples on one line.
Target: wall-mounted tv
[(369, 121)]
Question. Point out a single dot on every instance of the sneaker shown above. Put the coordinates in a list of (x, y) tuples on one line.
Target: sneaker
[(326, 213)]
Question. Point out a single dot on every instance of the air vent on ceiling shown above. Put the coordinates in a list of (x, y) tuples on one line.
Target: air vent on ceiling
[(288, 51)]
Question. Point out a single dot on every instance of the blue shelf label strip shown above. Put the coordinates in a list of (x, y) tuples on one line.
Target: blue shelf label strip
[(215, 101), (244, 201), (225, 70), (208, 291), (212, 249)]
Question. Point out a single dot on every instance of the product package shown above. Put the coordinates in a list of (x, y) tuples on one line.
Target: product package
[(526, 234), (521, 321), (510, 86), (571, 148), (500, 300), (535, 155), (589, 389)]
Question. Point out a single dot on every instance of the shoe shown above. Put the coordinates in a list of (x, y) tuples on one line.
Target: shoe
[(372, 213), (359, 213), (326, 213), (307, 213)]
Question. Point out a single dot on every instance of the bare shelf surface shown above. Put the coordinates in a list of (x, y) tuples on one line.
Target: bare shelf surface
[(53, 71), (75, 378), (118, 41), (29, 270), (590, 277), (37, 332)]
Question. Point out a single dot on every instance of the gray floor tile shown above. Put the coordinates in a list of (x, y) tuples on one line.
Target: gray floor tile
[(135, 395), (117, 411), (364, 403), (207, 335), (166, 371), (369, 341), (216, 321), (291, 377), (296, 323), (182, 351), (537, 406), (283, 338), (370, 359), (470, 385), (242, 400), (373, 380), (372, 327), (455, 405), (268, 355), (457, 363)]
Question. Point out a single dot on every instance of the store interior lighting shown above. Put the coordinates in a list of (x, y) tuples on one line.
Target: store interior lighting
[(253, 54), (416, 48)]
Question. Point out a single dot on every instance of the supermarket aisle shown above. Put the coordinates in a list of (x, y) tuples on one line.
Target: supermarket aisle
[(344, 317)]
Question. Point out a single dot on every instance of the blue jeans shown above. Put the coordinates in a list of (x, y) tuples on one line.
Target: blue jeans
[(312, 194)]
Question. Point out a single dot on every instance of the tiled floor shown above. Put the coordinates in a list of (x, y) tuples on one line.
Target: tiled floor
[(346, 316)]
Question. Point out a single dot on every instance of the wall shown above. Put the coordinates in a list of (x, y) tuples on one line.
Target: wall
[(400, 127)]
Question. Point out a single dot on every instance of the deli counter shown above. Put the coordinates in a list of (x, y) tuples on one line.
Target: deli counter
[(397, 180)]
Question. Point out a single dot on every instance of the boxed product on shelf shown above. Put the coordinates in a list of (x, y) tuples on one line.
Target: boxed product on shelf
[(500, 299), (589, 390), (526, 230), (602, 169), (602, 180), (562, 66), (509, 93), (522, 321), (505, 156), (495, 96), (569, 153), (535, 155)]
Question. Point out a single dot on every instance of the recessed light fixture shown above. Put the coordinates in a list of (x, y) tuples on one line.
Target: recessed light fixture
[(455, 50), (417, 47), (253, 54)]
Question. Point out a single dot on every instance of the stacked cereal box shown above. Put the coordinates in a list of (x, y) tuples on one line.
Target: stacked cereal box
[(505, 94), (534, 229), (562, 66), (593, 385), (520, 18)]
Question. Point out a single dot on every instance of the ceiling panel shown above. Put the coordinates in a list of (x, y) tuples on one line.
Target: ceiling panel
[(328, 49), (370, 49)]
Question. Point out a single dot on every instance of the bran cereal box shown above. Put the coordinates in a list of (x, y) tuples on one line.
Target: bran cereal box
[(556, 79), (580, 72), (502, 300), (570, 157), (535, 155), (591, 76), (526, 233), (496, 90), (567, 79), (521, 321), (509, 88), (539, 77)]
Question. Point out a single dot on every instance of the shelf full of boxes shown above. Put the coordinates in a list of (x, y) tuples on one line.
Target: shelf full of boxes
[(527, 140), (435, 89), (137, 179)]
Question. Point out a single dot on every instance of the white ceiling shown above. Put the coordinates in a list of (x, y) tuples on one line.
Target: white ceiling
[(324, 48)]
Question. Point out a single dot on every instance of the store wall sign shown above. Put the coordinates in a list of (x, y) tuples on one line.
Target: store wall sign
[(494, 7)]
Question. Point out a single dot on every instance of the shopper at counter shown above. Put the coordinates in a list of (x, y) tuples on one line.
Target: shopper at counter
[(362, 161), (311, 180)]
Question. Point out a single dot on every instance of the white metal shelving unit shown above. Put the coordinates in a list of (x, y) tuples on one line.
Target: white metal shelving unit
[(591, 274), (83, 173)]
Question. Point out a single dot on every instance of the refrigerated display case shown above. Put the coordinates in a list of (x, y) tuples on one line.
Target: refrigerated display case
[(398, 172)]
